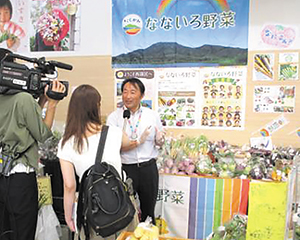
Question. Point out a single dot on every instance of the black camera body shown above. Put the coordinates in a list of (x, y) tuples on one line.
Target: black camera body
[(19, 77)]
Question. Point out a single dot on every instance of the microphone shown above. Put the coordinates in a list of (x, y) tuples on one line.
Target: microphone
[(126, 116), (62, 65)]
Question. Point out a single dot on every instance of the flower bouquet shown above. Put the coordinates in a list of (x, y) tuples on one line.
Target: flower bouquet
[(53, 26)]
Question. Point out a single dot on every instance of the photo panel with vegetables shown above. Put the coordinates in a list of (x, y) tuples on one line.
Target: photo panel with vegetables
[(274, 99), (263, 67), (288, 66)]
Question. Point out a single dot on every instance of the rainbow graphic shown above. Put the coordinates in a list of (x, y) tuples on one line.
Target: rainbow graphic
[(132, 24), (298, 132), (219, 5), (132, 29), (264, 132), (214, 202)]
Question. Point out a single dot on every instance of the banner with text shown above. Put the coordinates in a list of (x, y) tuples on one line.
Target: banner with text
[(176, 33)]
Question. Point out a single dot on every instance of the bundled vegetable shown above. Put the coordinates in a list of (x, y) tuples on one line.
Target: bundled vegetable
[(204, 166), (235, 229), (179, 156)]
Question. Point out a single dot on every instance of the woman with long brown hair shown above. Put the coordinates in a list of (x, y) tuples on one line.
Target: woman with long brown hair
[(78, 147)]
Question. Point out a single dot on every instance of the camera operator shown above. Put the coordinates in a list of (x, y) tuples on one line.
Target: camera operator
[(21, 128)]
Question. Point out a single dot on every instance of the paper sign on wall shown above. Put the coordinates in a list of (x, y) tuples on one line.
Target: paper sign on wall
[(273, 126)]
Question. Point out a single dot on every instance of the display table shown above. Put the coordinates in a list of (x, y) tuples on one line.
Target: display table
[(192, 207)]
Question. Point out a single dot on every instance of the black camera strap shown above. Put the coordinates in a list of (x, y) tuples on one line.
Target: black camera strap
[(55, 95)]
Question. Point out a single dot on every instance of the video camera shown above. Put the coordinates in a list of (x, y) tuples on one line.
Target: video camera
[(18, 76)]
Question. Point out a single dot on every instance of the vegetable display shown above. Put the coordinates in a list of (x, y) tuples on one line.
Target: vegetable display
[(196, 156)]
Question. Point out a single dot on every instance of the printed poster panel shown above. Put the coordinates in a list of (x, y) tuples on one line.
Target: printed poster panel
[(177, 96), (14, 25), (44, 191), (54, 25), (223, 97), (267, 211), (274, 99), (263, 67), (170, 33), (288, 66), (147, 76)]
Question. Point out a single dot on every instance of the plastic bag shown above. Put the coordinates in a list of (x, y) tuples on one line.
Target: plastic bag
[(48, 226), (146, 231)]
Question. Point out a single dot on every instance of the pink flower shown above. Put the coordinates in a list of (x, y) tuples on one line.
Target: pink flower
[(53, 27)]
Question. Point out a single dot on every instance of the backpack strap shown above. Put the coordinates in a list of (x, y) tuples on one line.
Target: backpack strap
[(80, 206), (101, 145), (82, 200)]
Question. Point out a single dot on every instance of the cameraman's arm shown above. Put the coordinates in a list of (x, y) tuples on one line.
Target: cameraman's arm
[(42, 101), (51, 108)]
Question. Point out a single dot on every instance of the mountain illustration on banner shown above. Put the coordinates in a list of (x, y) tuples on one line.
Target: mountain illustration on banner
[(179, 33), (171, 53), (219, 5)]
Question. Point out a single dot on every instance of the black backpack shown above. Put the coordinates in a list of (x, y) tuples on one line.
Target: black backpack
[(103, 204)]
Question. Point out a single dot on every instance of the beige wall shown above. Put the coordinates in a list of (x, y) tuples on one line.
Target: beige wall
[(94, 70), (97, 71)]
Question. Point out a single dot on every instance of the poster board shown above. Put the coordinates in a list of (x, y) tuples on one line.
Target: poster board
[(97, 71), (44, 190)]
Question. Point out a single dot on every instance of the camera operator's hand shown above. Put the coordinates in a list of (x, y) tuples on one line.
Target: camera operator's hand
[(57, 87), (52, 103)]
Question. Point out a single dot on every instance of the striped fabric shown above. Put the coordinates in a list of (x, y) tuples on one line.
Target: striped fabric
[(214, 202)]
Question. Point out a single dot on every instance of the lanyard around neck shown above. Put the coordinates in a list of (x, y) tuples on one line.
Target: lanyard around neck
[(134, 130)]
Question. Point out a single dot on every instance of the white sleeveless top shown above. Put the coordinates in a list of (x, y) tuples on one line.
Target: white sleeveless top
[(86, 159)]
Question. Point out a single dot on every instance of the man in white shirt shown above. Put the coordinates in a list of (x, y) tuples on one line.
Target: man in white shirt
[(144, 129)]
